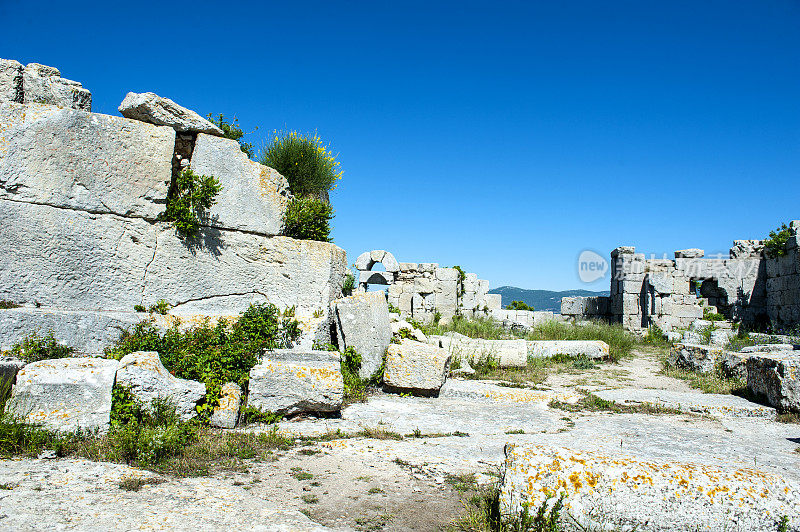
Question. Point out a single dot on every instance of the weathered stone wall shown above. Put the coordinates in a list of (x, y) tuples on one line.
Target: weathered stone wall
[(37, 83), (80, 198), (783, 283), (420, 290)]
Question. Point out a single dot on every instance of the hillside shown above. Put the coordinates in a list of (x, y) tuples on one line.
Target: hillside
[(540, 299)]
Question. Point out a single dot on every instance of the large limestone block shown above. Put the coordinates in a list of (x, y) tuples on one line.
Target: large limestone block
[(230, 270), (508, 353), (226, 413), (695, 357), (86, 161), (253, 196), (776, 376), (291, 382), (146, 377), (595, 349), (620, 492), (154, 109), (10, 81), (76, 260), (362, 322), (44, 85), (88, 332), (67, 394), (64, 258), (416, 367)]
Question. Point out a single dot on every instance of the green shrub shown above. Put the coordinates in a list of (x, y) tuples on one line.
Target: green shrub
[(519, 305), (462, 275), (712, 316), (18, 438), (395, 310), (188, 200), (213, 354), (655, 336), (139, 308), (34, 348), (349, 284), (775, 245), (307, 164), (231, 130), (308, 219), (5, 305), (254, 415)]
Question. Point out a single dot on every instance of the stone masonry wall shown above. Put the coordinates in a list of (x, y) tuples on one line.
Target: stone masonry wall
[(783, 283)]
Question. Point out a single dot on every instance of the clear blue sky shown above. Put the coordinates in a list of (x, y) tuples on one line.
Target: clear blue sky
[(502, 136)]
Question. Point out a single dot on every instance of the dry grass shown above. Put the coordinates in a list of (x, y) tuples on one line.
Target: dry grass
[(592, 403)]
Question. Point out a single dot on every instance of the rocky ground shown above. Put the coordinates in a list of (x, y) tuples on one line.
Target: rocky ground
[(381, 483)]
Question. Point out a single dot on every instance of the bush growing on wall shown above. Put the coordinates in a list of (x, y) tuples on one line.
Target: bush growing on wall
[(213, 354), (775, 245), (308, 219), (519, 305), (189, 199), (34, 348), (307, 164)]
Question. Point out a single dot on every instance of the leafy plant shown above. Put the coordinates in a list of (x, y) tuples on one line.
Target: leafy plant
[(160, 307), (188, 200), (349, 284), (213, 354), (712, 316), (462, 275), (519, 305), (139, 308), (34, 348), (775, 245), (5, 305), (308, 219), (231, 130), (254, 415), (393, 309), (305, 161), (655, 336)]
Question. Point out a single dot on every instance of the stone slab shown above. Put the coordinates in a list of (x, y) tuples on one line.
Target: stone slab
[(594, 349), (718, 405), (776, 376), (154, 109), (253, 197), (416, 367), (291, 382), (362, 322), (87, 161), (226, 413), (66, 394), (508, 353)]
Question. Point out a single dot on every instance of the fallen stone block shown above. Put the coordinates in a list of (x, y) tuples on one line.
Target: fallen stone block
[(718, 405), (362, 322), (253, 197), (291, 382), (734, 365), (86, 161), (66, 394), (621, 492), (594, 349), (507, 353), (154, 109), (776, 376), (89, 333), (694, 357), (473, 389), (147, 379), (768, 348), (415, 367), (44, 85), (226, 413)]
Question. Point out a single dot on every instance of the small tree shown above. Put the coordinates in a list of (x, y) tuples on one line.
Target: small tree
[(775, 245)]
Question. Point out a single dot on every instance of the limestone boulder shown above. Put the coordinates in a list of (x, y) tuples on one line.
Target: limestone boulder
[(362, 322), (10, 81), (253, 197), (594, 349), (154, 109), (66, 394), (734, 365), (695, 357), (226, 413), (89, 333), (622, 492), (43, 84), (147, 379), (776, 376), (291, 382), (415, 367), (508, 353), (72, 159)]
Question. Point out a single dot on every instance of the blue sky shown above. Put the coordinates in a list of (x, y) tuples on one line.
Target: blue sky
[(505, 137)]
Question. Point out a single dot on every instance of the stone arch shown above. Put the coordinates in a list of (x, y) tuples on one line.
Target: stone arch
[(367, 260)]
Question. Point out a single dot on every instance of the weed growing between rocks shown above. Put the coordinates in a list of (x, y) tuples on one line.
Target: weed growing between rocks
[(712, 382), (213, 354), (355, 388), (485, 328), (5, 305), (34, 348), (188, 200), (305, 161), (308, 219), (620, 342), (231, 130), (592, 403)]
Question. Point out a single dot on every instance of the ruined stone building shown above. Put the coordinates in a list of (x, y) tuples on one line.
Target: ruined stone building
[(746, 287)]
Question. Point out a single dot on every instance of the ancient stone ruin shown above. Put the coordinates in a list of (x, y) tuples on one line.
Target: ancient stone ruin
[(746, 287)]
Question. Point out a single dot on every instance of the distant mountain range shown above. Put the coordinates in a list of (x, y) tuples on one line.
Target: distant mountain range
[(540, 299)]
